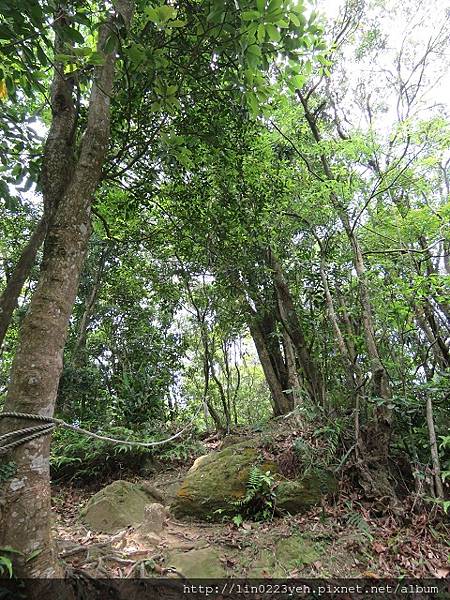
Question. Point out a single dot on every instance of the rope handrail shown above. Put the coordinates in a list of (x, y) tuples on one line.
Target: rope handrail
[(49, 423)]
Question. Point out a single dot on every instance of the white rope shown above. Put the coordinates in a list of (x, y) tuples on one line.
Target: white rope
[(40, 430)]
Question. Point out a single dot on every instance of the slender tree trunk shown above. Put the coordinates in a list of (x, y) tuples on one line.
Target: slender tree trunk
[(25, 499), (208, 406), (10, 295), (79, 353), (424, 325), (222, 394), (235, 393), (446, 256), (57, 169), (374, 470), (353, 373), (434, 450)]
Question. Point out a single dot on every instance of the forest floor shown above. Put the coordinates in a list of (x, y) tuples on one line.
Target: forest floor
[(339, 539)]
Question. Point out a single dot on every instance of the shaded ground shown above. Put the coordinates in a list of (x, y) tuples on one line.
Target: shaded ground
[(335, 540)]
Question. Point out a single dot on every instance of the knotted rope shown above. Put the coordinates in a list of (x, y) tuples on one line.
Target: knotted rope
[(27, 434)]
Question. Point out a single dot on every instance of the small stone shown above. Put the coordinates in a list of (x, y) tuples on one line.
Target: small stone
[(118, 506), (155, 516)]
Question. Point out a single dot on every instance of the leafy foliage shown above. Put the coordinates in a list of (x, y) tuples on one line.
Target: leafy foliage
[(77, 457), (259, 501), (242, 143)]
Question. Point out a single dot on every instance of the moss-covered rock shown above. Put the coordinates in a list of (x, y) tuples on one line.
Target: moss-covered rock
[(216, 482), (197, 564), (299, 496), (283, 557), (119, 505)]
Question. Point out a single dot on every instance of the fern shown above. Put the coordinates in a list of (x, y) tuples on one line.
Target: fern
[(258, 503), (357, 521)]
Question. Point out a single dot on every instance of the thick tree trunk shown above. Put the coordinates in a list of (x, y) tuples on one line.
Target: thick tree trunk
[(292, 325), (25, 499), (281, 404), (10, 297), (26, 515)]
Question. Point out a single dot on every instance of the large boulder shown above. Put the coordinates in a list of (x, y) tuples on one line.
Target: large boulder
[(216, 481), (118, 506), (298, 496)]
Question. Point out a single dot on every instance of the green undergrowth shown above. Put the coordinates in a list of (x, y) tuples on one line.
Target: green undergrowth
[(76, 456)]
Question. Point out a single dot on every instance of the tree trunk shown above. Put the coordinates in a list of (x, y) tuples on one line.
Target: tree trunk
[(57, 169), (424, 325), (291, 366), (10, 296), (353, 373), (208, 407), (79, 353), (377, 436), (280, 402), (25, 500), (439, 489), (292, 325)]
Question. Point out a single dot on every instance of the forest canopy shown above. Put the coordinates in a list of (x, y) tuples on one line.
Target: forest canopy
[(216, 213)]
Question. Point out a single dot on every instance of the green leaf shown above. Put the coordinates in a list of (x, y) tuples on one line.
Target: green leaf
[(74, 35), (81, 18), (11, 550), (294, 19), (250, 15), (260, 5), (274, 5), (136, 53), (238, 520), (63, 58), (96, 58), (33, 554), (253, 103), (178, 23), (297, 82), (273, 32), (7, 563), (254, 49), (166, 12), (110, 43), (152, 15), (261, 33), (85, 51), (41, 56)]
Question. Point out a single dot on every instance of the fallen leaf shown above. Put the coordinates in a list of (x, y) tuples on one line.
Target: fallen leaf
[(442, 572), (378, 547)]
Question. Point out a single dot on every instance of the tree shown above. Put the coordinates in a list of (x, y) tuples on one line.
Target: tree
[(69, 188), (72, 169)]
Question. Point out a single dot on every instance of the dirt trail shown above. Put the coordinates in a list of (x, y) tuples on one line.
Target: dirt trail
[(330, 541)]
